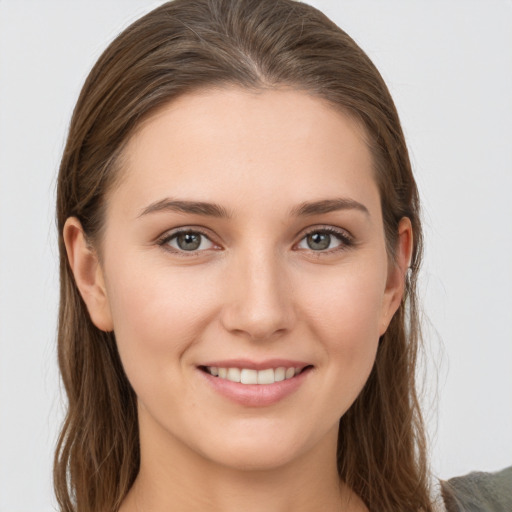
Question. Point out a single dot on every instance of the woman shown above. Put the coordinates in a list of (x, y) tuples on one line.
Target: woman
[(240, 240)]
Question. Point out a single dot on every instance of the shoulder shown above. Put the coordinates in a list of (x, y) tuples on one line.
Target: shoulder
[(479, 492)]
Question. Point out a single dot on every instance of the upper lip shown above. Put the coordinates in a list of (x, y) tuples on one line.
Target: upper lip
[(257, 365)]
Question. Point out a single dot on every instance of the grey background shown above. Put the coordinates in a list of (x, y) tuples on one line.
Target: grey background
[(449, 68)]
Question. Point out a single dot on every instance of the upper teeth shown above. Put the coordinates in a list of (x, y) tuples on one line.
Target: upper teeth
[(248, 376)]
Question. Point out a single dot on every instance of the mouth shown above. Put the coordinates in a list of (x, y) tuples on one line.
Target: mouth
[(255, 383), (253, 376)]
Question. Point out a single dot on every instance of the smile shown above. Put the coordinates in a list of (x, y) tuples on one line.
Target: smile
[(255, 384), (251, 376)]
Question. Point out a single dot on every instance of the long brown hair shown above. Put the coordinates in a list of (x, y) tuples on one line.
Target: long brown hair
[(183, 46)]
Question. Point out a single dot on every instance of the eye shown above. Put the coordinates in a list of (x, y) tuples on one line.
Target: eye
[(324, 240), (187, 241)]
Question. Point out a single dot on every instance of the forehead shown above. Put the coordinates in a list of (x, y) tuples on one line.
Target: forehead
[(268, 146)]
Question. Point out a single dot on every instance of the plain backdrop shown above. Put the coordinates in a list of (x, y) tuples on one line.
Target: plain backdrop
[(449, 67)]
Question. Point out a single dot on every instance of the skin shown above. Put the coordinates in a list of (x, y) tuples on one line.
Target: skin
[(254, 289)]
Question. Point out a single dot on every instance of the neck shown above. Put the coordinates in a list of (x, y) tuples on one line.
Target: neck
[(173, 477)]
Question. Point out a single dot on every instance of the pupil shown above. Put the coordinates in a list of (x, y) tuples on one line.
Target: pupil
[(189, 241), (319, 241)]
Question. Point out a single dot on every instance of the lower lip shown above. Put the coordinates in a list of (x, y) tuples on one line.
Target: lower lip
[(256, 395)]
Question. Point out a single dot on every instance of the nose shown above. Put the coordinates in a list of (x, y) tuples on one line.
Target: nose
[(259, 297)]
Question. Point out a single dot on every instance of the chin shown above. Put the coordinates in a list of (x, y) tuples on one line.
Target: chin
[(260, 450), (254, 458)]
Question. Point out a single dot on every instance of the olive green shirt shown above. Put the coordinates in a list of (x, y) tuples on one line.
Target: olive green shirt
[(479, 492)]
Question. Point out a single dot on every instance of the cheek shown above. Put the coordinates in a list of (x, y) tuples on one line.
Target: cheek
[(346, 316), (347, 305), (158, 314)]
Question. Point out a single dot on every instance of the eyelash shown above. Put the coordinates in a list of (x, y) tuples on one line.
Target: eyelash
[(345, 239), (166, 238)]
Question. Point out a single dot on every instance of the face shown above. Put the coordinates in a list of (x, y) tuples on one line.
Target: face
[(245, 242)]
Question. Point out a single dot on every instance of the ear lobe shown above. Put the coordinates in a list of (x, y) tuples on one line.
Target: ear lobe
[(395, 285), (88, 274)]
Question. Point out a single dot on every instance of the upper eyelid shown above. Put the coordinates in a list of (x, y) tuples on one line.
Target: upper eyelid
[(167, 235), (163, 242), (328, 228)]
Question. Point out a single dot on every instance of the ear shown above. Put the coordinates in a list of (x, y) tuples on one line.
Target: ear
[(88, 274), (395, 285)]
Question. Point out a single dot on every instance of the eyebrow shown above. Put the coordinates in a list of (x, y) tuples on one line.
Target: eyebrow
[(214, 210), (328, 205), (195, 207)]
